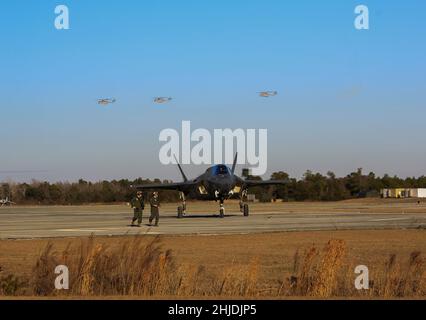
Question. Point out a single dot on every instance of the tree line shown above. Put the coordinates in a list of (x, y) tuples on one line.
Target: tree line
[(311, 187)]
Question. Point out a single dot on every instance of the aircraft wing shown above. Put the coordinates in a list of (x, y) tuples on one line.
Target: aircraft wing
[(257, 183), (180, 186)]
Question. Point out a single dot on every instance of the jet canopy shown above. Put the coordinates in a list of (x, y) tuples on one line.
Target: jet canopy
[(220, 170)]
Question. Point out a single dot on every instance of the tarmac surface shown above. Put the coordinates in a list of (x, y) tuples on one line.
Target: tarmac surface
[(75, 221)]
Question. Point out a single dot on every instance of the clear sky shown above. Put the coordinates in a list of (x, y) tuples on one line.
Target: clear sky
[(347, 98)]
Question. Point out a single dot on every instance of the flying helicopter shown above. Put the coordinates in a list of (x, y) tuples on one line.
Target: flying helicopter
[(161, 100), (106, 101), (267, 94)]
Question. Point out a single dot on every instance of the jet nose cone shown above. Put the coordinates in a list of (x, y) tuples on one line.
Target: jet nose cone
[(223, 188)]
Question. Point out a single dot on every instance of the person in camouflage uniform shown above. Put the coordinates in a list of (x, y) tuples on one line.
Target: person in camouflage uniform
[(138, 205), (155, 211)]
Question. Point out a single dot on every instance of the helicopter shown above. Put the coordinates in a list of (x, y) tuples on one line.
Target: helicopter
[(161, 100), (267, 94), (106, 101)]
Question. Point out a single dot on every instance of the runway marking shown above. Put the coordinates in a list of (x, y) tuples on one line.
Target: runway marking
[(125, 229), (80, 230), (390, 219)]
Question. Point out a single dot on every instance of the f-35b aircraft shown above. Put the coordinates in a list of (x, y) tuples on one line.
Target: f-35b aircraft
[(218, 183)]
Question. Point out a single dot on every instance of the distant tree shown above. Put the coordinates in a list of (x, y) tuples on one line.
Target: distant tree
[(280, 192), (313, 187)]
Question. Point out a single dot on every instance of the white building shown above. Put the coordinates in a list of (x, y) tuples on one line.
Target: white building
[(418, 193), (403, 193)]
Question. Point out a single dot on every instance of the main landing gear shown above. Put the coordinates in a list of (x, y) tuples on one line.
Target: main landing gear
[(181, 210), (244, 208)]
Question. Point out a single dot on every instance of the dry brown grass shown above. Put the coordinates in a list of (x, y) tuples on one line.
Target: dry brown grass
[(401, 279), (238, 280), (328, 275), (140, 267), (131, 268), (11, 285), (317, 274), (134, 269)]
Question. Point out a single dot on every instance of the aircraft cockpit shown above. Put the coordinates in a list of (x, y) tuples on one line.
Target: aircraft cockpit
[(221, 170)]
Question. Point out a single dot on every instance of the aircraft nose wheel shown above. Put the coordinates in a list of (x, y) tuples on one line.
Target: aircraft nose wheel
[(221, 210)]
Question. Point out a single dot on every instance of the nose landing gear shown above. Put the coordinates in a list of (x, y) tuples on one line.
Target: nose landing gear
[(222, 209)]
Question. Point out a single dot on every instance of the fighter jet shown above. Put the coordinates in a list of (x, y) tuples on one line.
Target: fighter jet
[(218, 183), (267, 94), (106, 101), (161, 100), (6, 202)]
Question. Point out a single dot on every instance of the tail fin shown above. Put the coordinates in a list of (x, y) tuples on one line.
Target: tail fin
[(185, 179), (235, 163)]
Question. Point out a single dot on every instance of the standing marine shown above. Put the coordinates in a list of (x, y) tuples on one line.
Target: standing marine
[(138, 204), (155, 209)]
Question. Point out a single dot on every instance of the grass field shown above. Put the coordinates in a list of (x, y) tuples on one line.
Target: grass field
[(270, 257)]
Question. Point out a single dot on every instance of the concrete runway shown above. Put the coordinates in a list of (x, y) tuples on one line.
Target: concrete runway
[(50, 222)]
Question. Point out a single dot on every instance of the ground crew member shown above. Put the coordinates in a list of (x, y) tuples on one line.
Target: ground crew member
[(155, 211), (138, 204)]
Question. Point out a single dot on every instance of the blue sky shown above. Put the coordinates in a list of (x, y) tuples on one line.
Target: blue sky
[(347, 98)]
